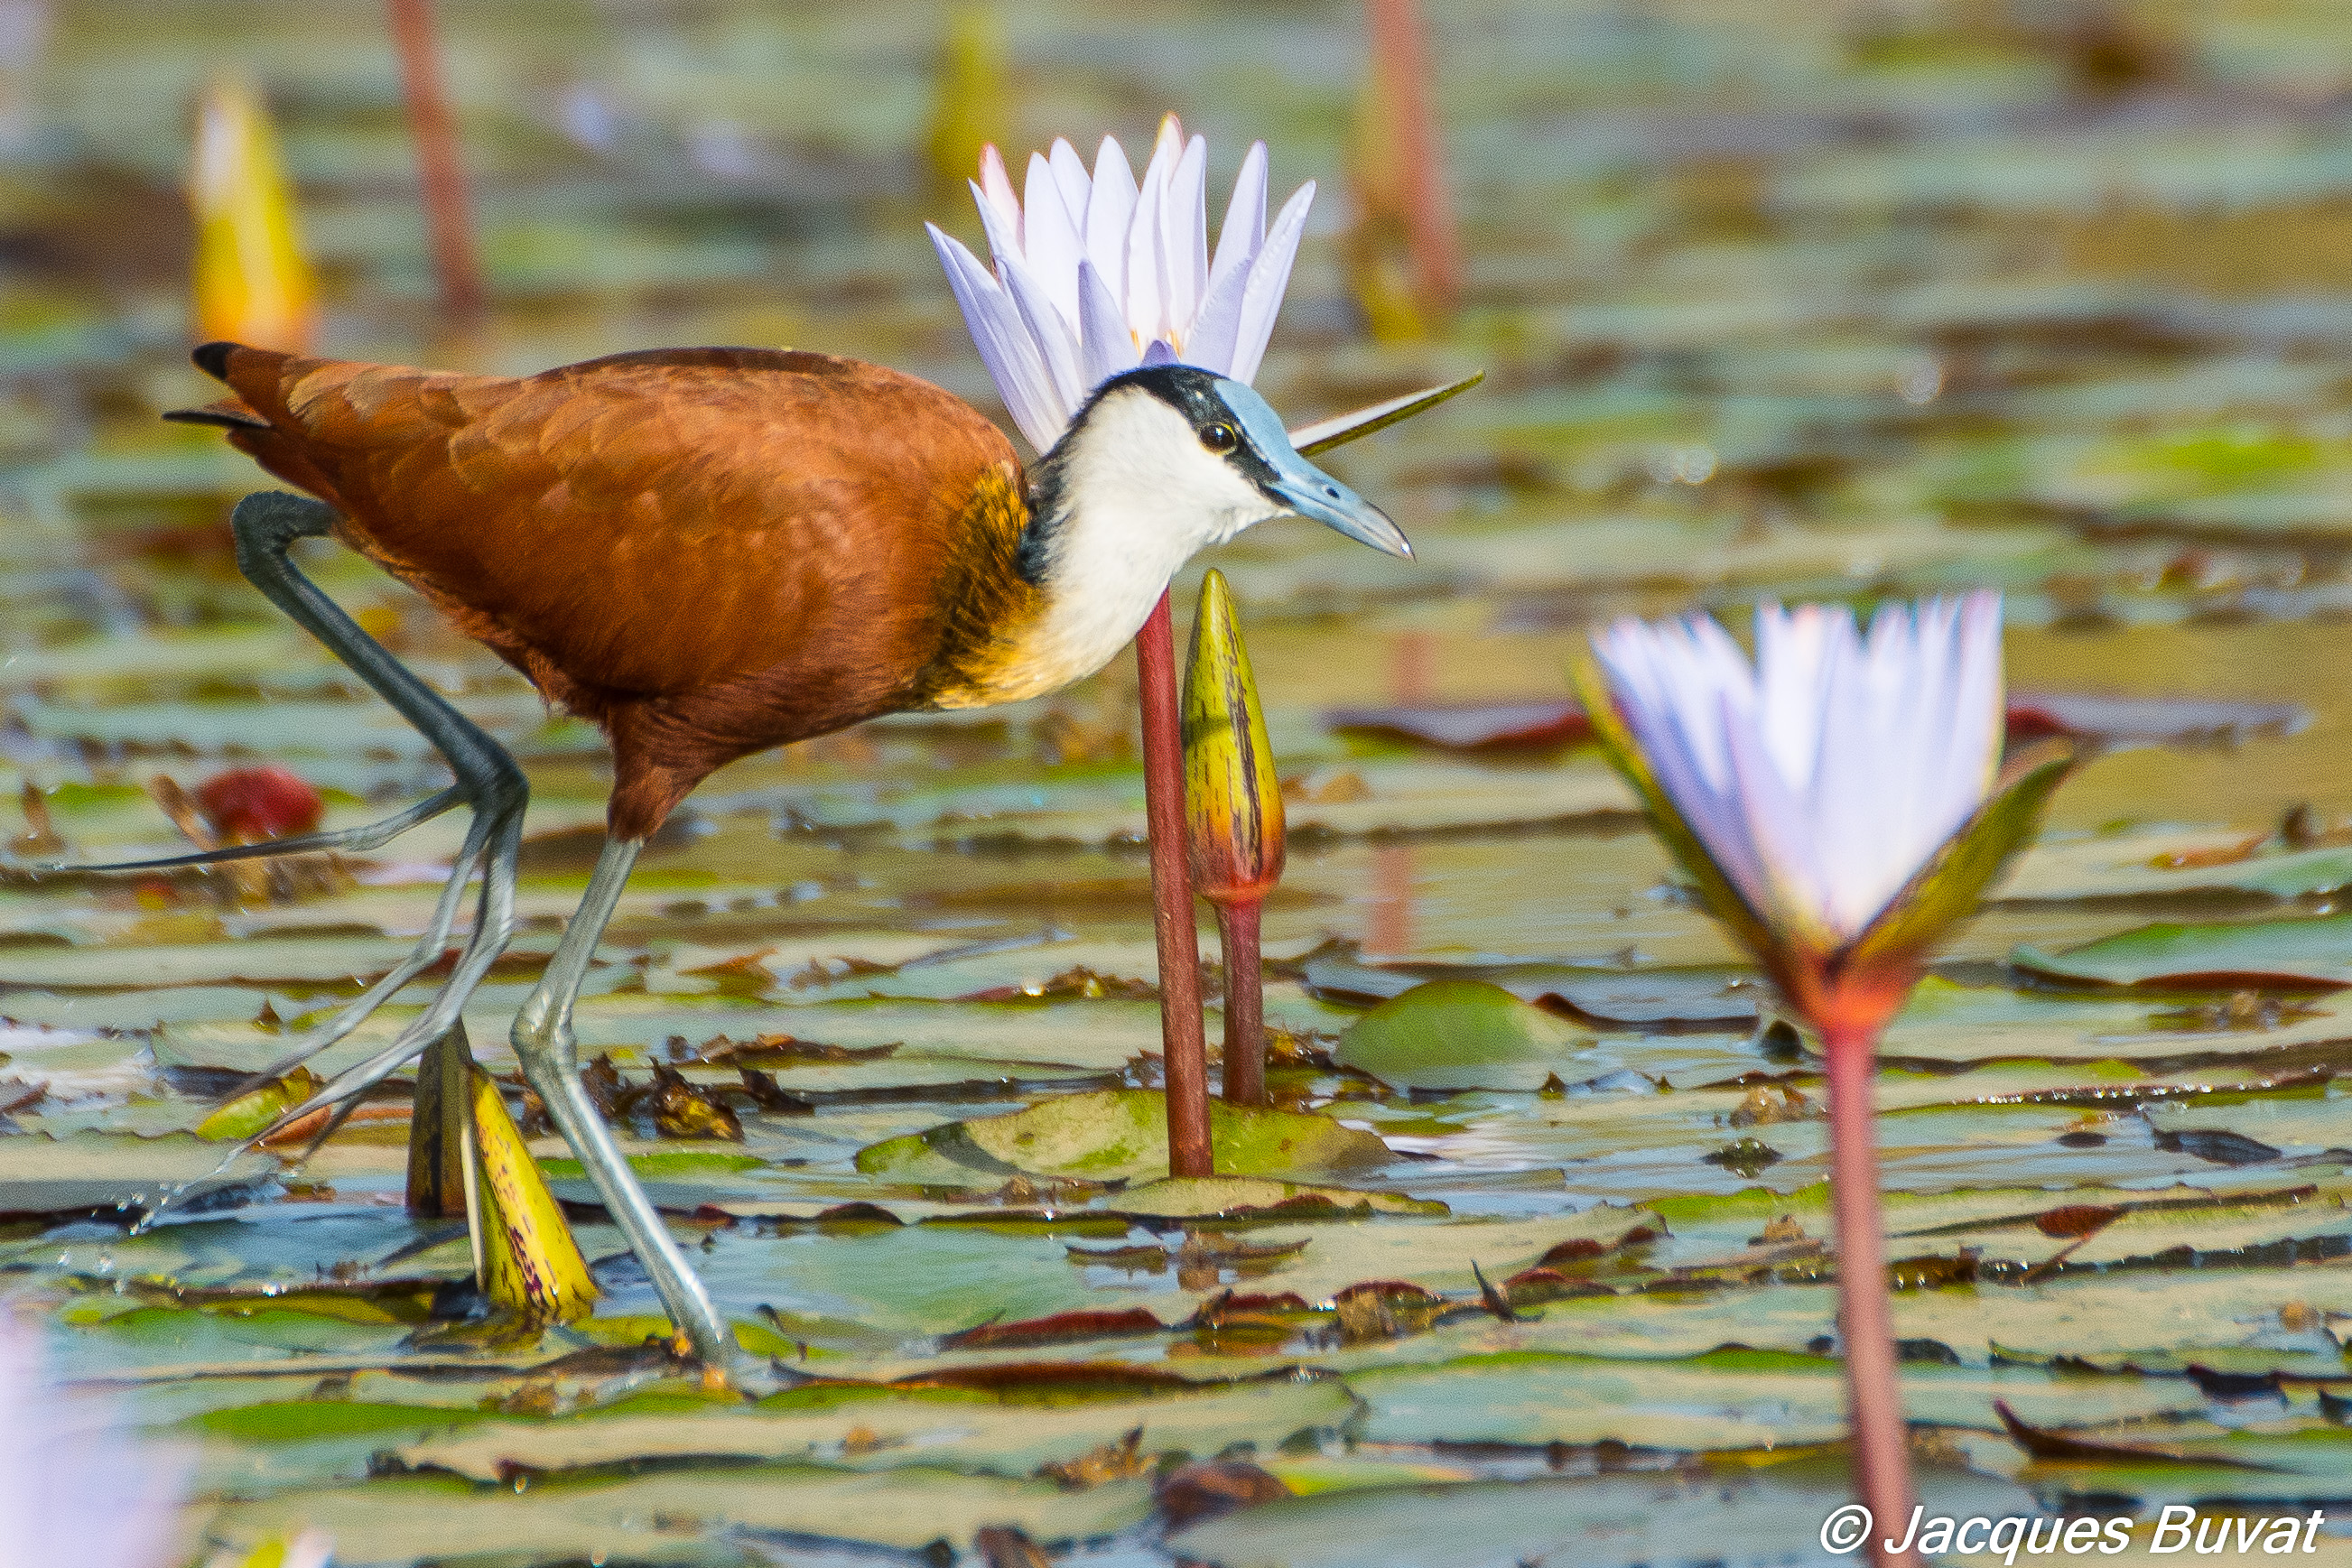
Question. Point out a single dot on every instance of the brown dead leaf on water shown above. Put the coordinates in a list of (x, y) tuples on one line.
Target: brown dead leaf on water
[(1060, 1328), (766, 1095), (774, 1051), (1199, 1260), (1115, 1461), (1207, 1488), (612, 1094), (1384, 1308), (683, 1110), (1008, 1546), (2214, 855), (2076, 1219), (1766, 1104), (1343, 787)]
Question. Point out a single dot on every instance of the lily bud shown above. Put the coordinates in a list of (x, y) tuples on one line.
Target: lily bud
[(1838, 804), (1233, 801), (252, 284), (969, 105), (524, 1254)]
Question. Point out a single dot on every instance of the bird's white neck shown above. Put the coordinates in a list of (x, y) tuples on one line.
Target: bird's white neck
[(1117, 512)]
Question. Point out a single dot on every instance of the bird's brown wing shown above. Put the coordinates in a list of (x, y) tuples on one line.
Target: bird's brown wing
[(708, 550)]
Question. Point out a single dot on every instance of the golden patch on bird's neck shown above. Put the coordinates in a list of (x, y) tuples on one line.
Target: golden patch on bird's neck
[(986, 603)]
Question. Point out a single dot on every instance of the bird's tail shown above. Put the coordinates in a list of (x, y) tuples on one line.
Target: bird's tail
[(229, 413), (257, 378)]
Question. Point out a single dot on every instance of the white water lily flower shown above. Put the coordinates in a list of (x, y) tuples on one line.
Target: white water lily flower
[(1824, 779), (1097, 274), (73, 1488)]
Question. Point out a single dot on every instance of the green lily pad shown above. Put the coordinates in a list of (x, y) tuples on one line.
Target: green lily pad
[(1204, 1198), (1460, 1034), (1118, 1134), (2298, 955)]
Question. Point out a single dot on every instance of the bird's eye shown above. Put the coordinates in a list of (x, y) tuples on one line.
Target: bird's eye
[(1221, 437)]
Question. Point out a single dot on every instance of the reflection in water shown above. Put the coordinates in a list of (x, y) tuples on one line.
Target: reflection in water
[(1390, 932)]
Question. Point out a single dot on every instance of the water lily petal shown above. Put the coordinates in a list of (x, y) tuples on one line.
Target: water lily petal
[(1013, 361), (1106, 347), (1111, 211), (1147, 299), (1041, 314), (1210, 344), (1242, 233), (1159, 351), (1269, 275), (1070, 175), (1777, 845), (1792, 657), (1184, 236), (1674, 682), (996, 192), (1004, 236), (74, 1487), (1050, 243)]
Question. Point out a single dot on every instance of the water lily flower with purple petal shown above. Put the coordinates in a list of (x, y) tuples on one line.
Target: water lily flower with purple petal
[(1097, 274), (73, 1488), (1841, 804)]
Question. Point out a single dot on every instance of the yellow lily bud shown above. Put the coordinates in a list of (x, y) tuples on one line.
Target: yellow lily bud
[(252, 284), (249, 1113), (436, 1127), (968, 114), (1233, 801), (524, 1254)]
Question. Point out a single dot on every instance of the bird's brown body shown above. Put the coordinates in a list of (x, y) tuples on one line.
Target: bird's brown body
[(712, 552), (707, 551)]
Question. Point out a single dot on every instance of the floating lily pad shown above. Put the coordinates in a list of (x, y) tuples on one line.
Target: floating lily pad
[(1118, 1135), (2286, 955), (1213, 1198), (1461, 1034)]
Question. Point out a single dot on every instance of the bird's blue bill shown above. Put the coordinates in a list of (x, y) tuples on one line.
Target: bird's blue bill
[(1302, 487)]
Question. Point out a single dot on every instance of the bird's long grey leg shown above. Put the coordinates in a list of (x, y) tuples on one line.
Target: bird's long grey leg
[(489, 780), (372, 835), (549, 1053), (493, 926), (417, 960)]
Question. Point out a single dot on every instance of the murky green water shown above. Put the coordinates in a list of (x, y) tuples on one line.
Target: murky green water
[(1856, 301)]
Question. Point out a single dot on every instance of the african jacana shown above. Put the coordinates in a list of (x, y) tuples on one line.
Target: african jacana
[(710, 552), (713, 552)]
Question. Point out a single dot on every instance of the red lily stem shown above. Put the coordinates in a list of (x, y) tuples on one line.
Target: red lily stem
[(1401, 56), (456, 267), (1879, 1440), (1237, 924), (1183, 1044)]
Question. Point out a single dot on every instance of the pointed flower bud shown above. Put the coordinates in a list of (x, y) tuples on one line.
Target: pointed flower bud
[(524, 1254), (971, 93), (1233, 800), (252, 284), (1837, 803)]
